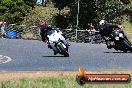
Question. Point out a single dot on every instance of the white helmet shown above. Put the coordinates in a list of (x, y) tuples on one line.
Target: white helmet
[(102, 22)]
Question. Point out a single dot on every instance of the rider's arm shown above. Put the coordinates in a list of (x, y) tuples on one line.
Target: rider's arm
[(110, 25), (101, 31), (57, 29)]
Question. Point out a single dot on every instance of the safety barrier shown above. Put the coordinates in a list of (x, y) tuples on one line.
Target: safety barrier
[(33, 33), (24, 32)]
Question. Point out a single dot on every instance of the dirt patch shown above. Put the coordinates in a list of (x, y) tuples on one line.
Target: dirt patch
[(33, 74)]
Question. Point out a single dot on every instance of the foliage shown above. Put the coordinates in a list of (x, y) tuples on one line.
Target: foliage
[(38, 13), (60, 4), (86, 12), (91, 11), (109, 10), (48, 13), (15, 10), (30, 3), (55, 82), (60, 21)]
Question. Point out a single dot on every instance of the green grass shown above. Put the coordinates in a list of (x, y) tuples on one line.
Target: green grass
[(55, 82), (128, 30)]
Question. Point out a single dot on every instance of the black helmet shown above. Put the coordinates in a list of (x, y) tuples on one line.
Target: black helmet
[(102, 22)]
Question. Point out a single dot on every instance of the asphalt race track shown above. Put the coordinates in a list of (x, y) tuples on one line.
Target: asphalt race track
[(34, 55)]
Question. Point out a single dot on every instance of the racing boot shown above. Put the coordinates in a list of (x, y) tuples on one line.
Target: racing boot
[(49, 46), (55, 52), (109, 44)]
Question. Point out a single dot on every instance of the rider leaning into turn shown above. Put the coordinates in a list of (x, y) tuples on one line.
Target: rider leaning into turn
[(107, 28), (44, 27), (43, 30)]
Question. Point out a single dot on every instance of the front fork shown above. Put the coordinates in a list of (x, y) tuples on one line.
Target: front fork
[(53, 46), (66, 43)]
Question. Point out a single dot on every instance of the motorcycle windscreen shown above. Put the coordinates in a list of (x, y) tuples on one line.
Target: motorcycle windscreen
[(53, 36), (50, 32)]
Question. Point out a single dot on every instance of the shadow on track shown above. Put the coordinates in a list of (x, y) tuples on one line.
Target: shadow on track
[(53, 56), (117, 52)]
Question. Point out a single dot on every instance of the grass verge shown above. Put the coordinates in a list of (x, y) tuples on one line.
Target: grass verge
[(53, 80), (128, 30)]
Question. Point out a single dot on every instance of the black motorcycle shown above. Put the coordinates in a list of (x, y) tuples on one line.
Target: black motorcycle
[(118, 41)]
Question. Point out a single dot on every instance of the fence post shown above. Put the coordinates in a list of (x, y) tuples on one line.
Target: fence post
[(76, 34), (78, 8)]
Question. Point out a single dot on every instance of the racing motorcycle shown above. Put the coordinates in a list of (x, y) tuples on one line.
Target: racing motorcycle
[(56, 42), (118, 41)]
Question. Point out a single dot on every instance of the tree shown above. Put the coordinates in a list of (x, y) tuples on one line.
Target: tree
[(60, 4), (60, 21), (108, 10), (125, 1), (30, 3), (91, 11), (13, 10)]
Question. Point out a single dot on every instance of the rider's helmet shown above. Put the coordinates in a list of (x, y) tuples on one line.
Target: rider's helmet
[(102, 23), (42, 24)]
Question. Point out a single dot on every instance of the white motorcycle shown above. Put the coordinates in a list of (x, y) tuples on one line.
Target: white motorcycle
[(57, 42)]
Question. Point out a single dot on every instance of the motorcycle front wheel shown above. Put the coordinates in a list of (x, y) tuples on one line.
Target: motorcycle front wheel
[(63, 50), (127, 45)]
